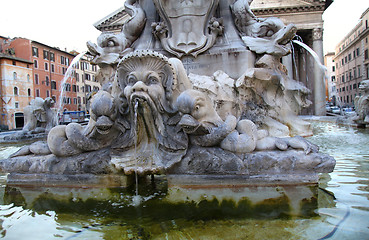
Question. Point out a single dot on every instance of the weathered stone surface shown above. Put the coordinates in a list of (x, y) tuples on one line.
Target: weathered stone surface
[(213, 110), (200, 160), (97, 162)]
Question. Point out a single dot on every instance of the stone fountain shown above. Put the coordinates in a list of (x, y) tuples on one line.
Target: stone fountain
[(190, 89), (39, 119)]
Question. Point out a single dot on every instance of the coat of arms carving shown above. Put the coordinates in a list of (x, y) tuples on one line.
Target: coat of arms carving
[(188, 27)]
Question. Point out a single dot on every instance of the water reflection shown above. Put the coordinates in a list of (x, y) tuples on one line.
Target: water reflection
[(336, 209)]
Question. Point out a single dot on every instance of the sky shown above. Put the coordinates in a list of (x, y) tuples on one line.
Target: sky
[(69, 23)]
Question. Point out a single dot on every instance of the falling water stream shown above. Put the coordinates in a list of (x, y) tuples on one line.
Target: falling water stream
[(313, 54), (136, 198), (68, 74)]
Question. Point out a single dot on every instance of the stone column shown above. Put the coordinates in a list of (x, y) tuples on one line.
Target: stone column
[(288, 63), (319, 82)]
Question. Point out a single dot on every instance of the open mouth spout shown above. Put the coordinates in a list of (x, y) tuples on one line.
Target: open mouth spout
[(103, 125)]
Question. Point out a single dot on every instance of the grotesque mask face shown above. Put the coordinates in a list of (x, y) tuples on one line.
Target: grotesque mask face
[(145, 84), (147, 78)]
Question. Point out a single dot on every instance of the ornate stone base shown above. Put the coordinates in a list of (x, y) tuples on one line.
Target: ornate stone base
[(97, 168), (262, 165)]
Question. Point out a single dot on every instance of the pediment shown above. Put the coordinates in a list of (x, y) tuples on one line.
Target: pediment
[(113, 22)]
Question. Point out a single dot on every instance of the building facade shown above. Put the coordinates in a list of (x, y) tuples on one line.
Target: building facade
[(16, 90), (49, 67), (352, 62), (86, 83), (32, 69)]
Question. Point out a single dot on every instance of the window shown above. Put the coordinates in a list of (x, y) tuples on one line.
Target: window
[(47, 80), (29, 92), (14, 63), (343, 62), (79, 100), (62, 59), (37, 92), (14, 76), (87, 76), (333, 78), (343, 78), (346, 59), (36, 78), (15, 91), (46, 67), (88, 88), (84, 100), (67, 87), (53, 85), (349, 57), (77, 77), (35, 51), (16, 105), (354, 53), (77, 88), (47, 93), (46, 55), (357, 52), (35, 64), (333, 69), (28, 78), (355, 73), (366, 54), (74, 88), (75, 101), (358, 71), (64, 70), (52, 57), (354, 86), (52, 68)]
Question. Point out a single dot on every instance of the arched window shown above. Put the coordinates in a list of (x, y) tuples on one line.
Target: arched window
[(29, 92), (15, 91), (14, 76)]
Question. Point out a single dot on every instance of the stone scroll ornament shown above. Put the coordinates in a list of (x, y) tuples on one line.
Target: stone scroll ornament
[(188, 27), (262, 35)]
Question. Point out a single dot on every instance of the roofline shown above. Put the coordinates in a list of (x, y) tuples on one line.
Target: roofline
[(55, 48), (104, 19), (15, 58), (362, 15)]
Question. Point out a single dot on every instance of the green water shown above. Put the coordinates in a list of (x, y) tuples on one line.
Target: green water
[(336, 209)]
